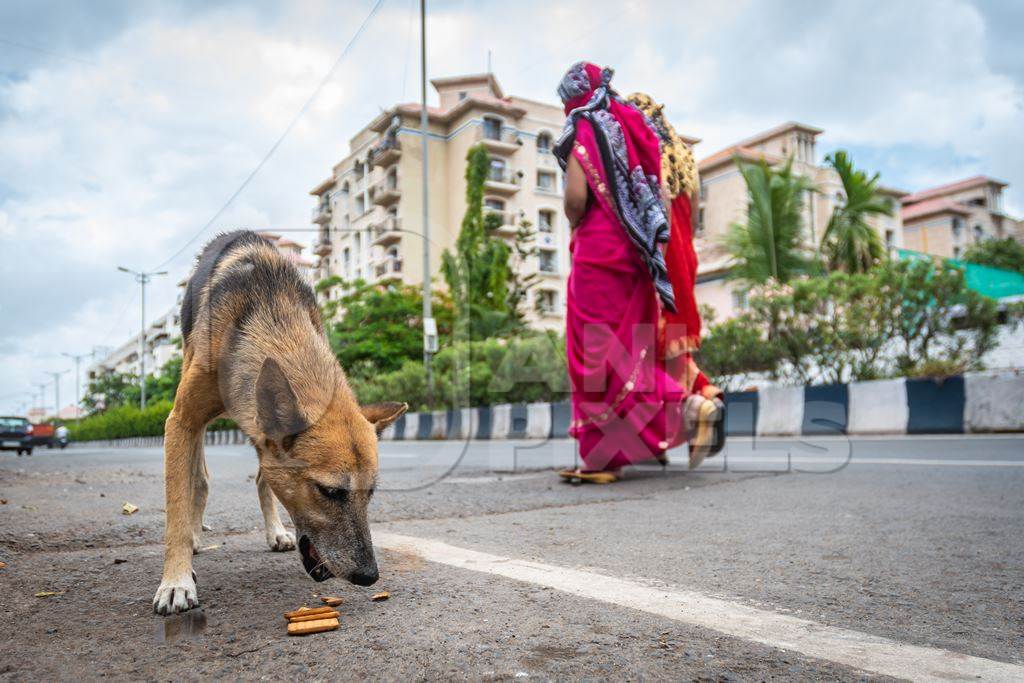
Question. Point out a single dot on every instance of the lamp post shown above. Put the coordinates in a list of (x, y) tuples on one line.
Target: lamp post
[(77, 357), (429, 326), (56, 392), (143, 279)]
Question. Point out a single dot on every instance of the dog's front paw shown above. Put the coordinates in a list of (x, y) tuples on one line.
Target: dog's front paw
[(280, 541), (176, 596)]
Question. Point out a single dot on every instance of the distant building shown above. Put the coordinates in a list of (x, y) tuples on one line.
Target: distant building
[(370, 206), (723, 201), (945, 220)]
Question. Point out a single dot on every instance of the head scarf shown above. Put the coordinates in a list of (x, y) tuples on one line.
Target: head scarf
[(628, 150), (678, 166)]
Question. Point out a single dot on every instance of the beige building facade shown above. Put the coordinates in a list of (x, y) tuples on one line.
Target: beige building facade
[(370, 207), (947, 219), (723, 201)]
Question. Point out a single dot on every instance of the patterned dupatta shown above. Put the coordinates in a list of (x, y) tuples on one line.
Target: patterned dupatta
[(618, 141)]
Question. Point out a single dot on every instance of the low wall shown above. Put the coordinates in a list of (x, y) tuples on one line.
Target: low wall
[(974, 403)]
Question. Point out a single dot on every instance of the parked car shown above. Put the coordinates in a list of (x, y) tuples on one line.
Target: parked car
[(16, 435)]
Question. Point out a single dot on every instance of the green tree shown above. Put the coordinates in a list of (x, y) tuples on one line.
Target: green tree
[(521, 281), (380, 326), (769, 245), (1007, 254), (849, 241), (478, 273)]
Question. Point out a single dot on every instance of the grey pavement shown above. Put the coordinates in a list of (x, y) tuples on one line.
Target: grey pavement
[(914, 540)]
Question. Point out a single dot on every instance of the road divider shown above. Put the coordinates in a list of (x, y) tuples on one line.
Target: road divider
[(974, 403)]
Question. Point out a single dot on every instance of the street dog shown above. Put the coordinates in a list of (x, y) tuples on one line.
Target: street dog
[(255, 351)]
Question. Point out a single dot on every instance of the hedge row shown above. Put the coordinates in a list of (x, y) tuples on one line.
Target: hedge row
[(122, 422)]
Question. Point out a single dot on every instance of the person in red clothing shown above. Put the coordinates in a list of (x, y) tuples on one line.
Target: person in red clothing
[(680, 330)]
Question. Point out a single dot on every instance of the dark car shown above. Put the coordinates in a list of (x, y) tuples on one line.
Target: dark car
[(16, 435)]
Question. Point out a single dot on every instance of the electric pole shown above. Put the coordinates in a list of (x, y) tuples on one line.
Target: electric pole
[(78, 379), (143, 279), (42, 398), (56, 392), (429, 325)]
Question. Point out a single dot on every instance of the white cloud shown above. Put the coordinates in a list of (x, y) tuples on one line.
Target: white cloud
[(119, 151)]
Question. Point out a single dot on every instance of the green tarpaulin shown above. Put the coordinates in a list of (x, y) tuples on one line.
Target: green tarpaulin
[(991, 282)]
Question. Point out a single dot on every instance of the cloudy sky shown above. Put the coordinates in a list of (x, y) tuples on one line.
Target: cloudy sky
[(125, 126)]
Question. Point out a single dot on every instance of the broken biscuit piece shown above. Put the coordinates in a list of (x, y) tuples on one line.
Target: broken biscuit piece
[(378, 597), (306, 611), (332, 602), (313, 617), (302, 628)]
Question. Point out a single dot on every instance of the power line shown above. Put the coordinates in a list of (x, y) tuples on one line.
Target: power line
[(120, 317), (302, 112)]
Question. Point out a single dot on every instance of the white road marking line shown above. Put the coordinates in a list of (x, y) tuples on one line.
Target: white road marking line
[(803, 460), (842, 646)]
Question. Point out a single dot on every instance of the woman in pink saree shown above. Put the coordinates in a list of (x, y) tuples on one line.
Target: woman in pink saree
[(626, 408)]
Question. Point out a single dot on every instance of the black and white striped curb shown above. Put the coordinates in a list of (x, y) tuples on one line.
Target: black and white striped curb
[(973, 403)]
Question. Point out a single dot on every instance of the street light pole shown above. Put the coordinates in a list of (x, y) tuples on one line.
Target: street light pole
[(429, 326), (56, 391), (143, 279), (78, 379)]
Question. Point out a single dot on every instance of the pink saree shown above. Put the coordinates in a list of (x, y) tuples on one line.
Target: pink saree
[(626, 408)]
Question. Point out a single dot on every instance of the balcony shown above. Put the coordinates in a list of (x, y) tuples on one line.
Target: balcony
[(386, 152), (387, 231), (546, 161), (322, 213), (385, 192), (388, 267), (322, 246), (504, 141), (509, 222), (503, 180)]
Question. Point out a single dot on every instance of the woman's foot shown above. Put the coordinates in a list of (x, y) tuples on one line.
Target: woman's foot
[(702, 416), (580, 476)]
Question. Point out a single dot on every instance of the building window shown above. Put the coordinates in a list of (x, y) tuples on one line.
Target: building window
[(740, 300), (956, 252), (547, 301), (497, 171), (492, 128), (392, 180), (545, 181), (544, 143), (958, 227), (546, 220), (703, 190), (462, 95), (494, 204), (979, 233), (700, 221), (890, 240), (346, 262), (360, 205), (360, 171), (548, 261)]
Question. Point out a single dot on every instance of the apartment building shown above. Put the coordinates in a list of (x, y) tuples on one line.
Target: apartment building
[(723, 201), (945, 220), (370, 207)]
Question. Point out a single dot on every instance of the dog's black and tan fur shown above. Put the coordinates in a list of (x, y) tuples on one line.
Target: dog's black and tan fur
[(255, 351)]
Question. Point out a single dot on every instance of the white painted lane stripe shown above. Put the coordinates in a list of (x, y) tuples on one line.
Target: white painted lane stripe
[(842, 646), (835, 462)]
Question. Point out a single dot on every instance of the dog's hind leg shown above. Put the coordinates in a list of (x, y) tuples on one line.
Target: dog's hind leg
[(200, 491), (196, 403), (278, 538)]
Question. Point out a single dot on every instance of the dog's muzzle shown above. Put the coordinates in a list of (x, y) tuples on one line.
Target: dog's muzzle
[(311, 560)]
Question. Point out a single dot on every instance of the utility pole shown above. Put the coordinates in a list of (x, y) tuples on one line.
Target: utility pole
[(143, 279), (429, 325), (56, 391), (42, 397), (78, 379)]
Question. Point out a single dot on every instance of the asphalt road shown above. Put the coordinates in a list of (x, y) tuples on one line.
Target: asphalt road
[(826, 558)]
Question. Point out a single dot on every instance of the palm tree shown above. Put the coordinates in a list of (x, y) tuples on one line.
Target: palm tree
[(769, 246), (849, 242)]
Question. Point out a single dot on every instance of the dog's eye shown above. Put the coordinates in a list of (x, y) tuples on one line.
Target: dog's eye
[(333, 493)]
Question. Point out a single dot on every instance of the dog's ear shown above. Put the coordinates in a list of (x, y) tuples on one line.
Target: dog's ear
[(381, 415), (277, 409)]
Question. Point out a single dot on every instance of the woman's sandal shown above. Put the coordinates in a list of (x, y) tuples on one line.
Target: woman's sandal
[(577, 477), (705, 417)]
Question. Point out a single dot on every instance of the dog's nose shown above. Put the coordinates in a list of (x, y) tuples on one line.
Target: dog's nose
[(365, 576)]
